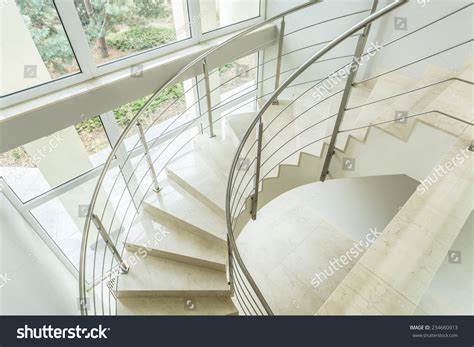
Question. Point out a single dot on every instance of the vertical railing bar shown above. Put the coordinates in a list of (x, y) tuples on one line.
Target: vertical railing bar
[(257, 172), (230, 268), (108, 242), (361, 42), (207, 86), (279, 56), (146, 151), (250, 294)]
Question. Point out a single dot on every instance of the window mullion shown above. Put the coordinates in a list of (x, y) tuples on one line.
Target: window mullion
[(195, 20), (77, 37)]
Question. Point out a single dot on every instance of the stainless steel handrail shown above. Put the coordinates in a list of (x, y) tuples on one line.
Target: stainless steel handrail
[(120, 140), (235, 262), (258, 119)]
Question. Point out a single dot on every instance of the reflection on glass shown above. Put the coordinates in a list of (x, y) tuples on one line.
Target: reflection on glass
[(172, 108), (116, 29), (43, 164), (217, 14), (44, 50), (238, 77), (63, 217)]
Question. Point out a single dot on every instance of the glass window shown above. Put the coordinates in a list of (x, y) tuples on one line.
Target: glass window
[(238, 77), (119, 28), (174, 107), (217, 14), (35, 48), (63, 217), (43, 164)]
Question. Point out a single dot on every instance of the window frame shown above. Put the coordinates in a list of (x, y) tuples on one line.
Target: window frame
[(88, 69)]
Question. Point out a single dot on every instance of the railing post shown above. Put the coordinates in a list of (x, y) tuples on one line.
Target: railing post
[(346, 96), (254, 197), (207, 85), (279, 54), (108, 242), (146, 151), (230, 267)]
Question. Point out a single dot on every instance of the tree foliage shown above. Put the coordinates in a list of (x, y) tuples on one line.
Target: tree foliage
[(46, 30)]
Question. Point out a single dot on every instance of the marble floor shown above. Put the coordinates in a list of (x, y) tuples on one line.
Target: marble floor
[(290, 242)]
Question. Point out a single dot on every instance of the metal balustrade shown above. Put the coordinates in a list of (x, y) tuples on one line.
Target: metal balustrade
[(118, 198)]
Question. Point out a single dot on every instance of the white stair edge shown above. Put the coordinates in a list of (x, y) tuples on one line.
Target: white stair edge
[(195, 193), (159, 213)]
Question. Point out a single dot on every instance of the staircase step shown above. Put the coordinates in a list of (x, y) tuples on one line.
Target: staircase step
[(397, 157), (167, 240), (176, 206), (239, 123), (218, 152), (157, 277), (397, 270), (418, 102), (203, 306), (203, 182), (386, 86)]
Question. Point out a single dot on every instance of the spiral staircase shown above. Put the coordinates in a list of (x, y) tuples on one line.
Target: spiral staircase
[(164, 241)]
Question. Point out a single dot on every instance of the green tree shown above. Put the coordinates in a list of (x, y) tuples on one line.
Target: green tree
[(46, 30), (99, 17)]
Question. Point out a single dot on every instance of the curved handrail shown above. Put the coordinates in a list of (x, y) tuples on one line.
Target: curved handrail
[(251, 129), (126, 131)]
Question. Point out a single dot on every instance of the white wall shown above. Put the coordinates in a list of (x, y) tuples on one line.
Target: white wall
[(39, 283), (454, 30), (354, 205), (320, 33)]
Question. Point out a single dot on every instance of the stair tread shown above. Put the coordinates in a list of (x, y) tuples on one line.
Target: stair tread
[(175, 242), (179, 204), (406, 257), (239, 123), (196, 172), (203, 306), (218, 152), (157, 276)]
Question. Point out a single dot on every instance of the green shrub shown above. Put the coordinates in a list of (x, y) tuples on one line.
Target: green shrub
[(140, 38), (124, 113), (89, 125)]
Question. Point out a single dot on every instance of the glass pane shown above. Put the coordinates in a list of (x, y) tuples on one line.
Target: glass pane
[(174, 107), (41, 165), (63, 217), (217, 14), (44, 53), (116, 29), (238, 77)]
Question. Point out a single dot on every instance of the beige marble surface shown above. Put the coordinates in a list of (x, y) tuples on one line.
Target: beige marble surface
[(406, 258), (283, 254)]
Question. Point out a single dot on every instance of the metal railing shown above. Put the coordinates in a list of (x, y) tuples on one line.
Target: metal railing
[(160, 138), (271, 142), (118, 197)]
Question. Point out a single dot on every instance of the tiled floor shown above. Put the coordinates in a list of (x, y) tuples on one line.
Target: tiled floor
[(292, 241)]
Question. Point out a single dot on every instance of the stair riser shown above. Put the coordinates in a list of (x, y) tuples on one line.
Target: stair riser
[(196, 193), (160, 214), (179, 257), (170, 294)]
